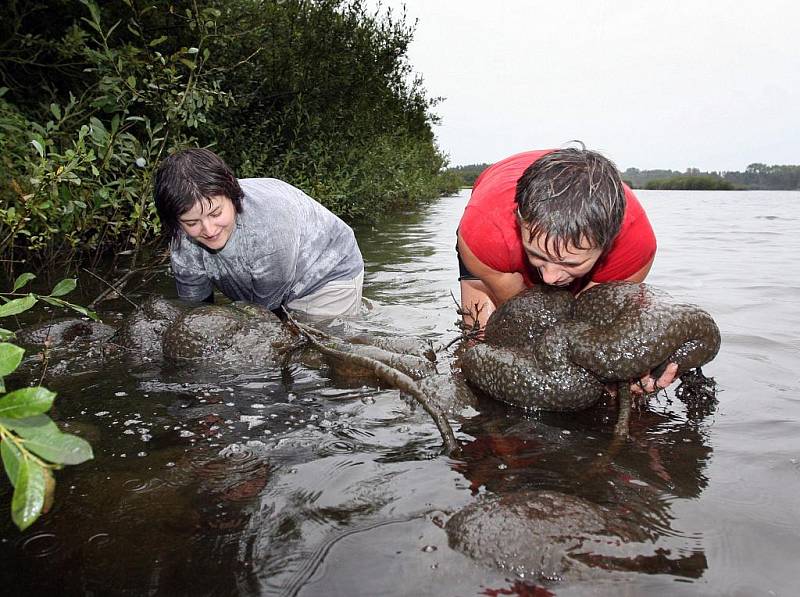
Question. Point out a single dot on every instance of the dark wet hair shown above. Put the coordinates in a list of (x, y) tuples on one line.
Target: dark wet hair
[(189, 176), (571, 196)]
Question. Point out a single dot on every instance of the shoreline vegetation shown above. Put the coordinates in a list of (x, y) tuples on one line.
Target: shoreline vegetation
[(93, 95), (755, 177)]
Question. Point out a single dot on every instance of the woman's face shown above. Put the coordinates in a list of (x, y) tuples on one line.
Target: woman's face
[(210, 222)]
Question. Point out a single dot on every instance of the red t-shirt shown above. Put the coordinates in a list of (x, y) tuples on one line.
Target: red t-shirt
[(489, 227)]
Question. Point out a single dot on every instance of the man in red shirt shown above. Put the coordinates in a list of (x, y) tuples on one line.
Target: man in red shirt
[(558, 217)]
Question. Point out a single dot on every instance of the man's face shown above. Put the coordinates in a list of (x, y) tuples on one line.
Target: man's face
[(574, 263), (211, 222)]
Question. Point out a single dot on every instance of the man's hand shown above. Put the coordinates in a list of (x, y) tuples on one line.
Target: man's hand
[(648, 385)]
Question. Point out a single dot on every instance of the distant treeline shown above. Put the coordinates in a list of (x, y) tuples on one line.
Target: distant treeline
[(94, 94), (467, 174), (756, 176), (690, 183)]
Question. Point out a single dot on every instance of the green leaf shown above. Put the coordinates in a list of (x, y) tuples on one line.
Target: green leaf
[(44, 439), (17, 306), (5, 334), (56, 110), (28, 500), (158, 40), (82, 310), (49, 490), (26, 402), (10, 358), (98, 130), (64, 287), (92, 9), (21, 280), (38, 146), (11, 459)]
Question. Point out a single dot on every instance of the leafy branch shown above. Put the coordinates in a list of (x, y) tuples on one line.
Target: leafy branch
[(31, 445)]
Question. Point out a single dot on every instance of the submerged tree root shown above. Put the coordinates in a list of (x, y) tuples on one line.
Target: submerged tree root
[(385, 373)]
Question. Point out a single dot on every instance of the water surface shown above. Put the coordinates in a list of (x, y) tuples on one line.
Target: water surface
[(291, 481)]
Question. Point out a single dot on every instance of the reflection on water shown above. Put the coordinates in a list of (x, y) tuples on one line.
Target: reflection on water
[(290, 481)]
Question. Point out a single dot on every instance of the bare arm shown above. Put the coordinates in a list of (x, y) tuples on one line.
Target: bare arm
[(491, 290)]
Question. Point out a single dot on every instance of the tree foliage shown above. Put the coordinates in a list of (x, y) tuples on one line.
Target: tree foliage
[(690, 183), (756, 176), (92, 96), (467, 174)]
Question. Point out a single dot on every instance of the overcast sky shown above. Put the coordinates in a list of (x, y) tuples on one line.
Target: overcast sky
[(709, 84)]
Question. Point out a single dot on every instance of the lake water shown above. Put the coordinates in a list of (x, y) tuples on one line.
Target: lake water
[(294, 482)]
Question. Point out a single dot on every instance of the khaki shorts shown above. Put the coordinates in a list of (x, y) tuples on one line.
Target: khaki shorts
[(340, 297)]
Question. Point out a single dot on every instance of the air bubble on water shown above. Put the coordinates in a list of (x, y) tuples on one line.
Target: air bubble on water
[(252, 420)]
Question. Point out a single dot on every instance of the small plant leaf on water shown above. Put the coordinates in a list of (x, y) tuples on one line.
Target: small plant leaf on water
[(29, 493), (44, 439), (16, 306), (65, 286), (26, 402)]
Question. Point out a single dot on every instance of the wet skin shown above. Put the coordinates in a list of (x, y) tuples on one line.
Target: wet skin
[(546, 350)]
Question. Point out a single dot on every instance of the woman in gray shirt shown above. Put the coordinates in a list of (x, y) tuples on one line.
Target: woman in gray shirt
[(256, 239)]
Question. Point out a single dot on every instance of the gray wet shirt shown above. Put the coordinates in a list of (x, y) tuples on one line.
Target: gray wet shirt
[(285, 246)]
